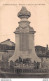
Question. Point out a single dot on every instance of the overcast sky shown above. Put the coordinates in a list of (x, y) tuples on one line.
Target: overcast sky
[(39, 19)]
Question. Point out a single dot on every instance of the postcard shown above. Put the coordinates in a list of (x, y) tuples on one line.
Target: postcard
[(24, 39)]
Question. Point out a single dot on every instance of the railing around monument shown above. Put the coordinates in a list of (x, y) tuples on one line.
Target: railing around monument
[(20, 70)]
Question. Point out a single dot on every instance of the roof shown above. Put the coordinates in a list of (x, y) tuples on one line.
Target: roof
[(42, 51), (40, 48), (8, 42)]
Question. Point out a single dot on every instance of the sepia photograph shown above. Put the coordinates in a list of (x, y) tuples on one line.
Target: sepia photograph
[(24, 39)]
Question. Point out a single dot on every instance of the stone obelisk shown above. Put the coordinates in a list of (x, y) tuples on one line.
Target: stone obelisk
[(24, 38)]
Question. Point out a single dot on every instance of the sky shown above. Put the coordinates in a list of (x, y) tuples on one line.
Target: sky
[(39, 19)]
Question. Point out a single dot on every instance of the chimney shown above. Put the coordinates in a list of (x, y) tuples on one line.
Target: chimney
[(47, 47), (8, 39)]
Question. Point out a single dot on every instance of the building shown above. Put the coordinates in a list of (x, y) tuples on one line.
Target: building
[(43, 53), (7, 48)]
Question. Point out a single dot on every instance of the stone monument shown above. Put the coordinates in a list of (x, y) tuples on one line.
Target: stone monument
[(24, 38)]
